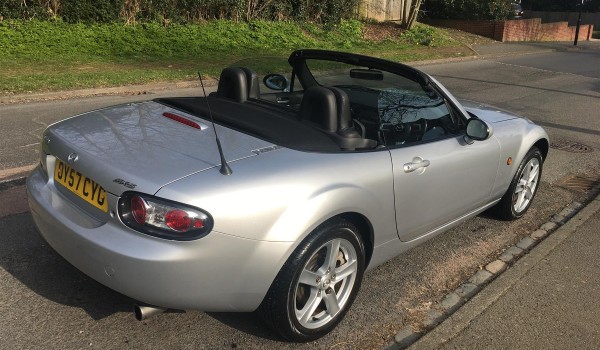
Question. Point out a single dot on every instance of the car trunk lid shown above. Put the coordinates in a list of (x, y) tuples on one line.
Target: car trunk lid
[(135, 147)]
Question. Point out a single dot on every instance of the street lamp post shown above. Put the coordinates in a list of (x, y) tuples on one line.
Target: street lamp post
[(578, 24)]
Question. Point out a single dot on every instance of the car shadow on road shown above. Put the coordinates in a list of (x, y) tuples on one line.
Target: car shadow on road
[(25, 256), (246, 322), (30, 260)]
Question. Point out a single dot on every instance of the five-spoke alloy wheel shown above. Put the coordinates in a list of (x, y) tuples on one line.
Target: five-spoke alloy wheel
[(523, 187), (318, 283)]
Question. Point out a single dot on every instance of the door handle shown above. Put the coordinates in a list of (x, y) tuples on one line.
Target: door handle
[(283, 100), (417, 163)]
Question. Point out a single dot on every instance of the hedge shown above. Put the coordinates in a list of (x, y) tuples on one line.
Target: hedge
[(178, 11), (468, 9)]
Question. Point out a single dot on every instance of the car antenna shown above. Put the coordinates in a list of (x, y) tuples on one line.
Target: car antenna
[(225, 169)]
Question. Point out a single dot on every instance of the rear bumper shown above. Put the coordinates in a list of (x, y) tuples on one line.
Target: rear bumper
[(216, 273)]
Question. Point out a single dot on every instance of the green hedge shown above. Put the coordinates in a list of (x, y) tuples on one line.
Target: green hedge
[(561, 5), (468, 9), (38, 40), (179, 11)]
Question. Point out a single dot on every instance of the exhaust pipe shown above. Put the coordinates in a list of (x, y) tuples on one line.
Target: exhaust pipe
[(143, 312)]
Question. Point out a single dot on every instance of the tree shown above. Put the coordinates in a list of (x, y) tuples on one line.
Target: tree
[(409, 13), (402, 11)]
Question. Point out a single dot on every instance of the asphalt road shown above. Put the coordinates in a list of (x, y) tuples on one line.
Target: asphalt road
[(46, 303), (23, 124)]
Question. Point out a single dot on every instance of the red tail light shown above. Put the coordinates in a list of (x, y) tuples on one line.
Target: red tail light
[(178, 220), (138, 209), (163, 218)]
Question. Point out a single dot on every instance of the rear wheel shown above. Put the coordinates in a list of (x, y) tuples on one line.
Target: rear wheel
[(523, 187), (318, 283)]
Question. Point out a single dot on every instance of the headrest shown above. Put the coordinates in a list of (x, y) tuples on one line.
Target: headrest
[(343, 108), (319, 105), (238, 84)]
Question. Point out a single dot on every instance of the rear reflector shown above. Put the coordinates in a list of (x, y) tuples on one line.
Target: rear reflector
[(181, 119)]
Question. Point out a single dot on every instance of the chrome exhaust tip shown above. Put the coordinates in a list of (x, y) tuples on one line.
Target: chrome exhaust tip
[(143, 312)]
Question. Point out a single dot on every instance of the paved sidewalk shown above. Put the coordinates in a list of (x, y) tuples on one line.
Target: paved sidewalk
[(516, 48), (548, 300)]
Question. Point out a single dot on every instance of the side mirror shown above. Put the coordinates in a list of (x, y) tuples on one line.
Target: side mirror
[(276, 82), (477, 130)]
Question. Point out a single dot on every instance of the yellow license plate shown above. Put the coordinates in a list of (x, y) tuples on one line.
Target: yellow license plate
[(82, 186)]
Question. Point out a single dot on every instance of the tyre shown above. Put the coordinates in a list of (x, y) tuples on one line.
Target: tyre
[(318, 283), (523, 187)]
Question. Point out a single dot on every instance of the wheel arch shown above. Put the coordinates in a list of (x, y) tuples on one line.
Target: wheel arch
[(365, 230), (544, 146)]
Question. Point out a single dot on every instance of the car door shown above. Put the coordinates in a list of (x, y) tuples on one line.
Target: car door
[(438, 176), (439, 181)]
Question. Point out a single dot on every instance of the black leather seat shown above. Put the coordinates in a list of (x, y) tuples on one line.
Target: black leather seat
[(238, 84), (328, 109)]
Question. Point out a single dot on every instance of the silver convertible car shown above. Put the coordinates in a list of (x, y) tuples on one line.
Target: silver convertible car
[(278, 191)]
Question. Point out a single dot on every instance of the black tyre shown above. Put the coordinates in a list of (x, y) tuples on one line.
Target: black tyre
[(523, 187), (317, 284)]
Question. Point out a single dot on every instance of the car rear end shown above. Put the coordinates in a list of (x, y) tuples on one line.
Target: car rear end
[(92, 199)]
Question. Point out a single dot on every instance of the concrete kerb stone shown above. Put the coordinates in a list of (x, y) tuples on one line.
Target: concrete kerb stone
[(510, 254), (453, 301), (558, 219), (7, 176), (526, 243), (466, 290), (11, 183), (433, 318), (568, 212), (539, 234), (496, 267), (549, 226), (406, 337), (481, 277)]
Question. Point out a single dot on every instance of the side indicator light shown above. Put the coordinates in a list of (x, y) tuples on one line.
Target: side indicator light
[(509, 161)]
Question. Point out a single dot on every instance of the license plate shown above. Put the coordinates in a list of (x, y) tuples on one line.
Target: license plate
[(82, 186)]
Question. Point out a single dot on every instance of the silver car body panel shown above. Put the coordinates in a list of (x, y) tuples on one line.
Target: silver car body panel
[(210, 274), (273, 199), (136, 143), (458, 179)]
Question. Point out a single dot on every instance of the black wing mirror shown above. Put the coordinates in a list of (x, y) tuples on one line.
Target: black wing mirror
[(276, 82), (477, 130)]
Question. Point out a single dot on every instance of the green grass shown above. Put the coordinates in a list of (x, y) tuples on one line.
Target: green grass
[(46, 56)]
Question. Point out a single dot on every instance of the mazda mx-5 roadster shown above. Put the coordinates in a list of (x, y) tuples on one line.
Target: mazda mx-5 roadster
[(276, 192)]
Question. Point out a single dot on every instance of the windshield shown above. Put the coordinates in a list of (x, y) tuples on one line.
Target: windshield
[(396, 98)]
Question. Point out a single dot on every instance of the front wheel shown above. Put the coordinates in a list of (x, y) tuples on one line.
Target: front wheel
[(523, 187), (318, 283)]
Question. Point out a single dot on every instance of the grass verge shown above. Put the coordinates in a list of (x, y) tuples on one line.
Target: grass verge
[(47, 56)]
